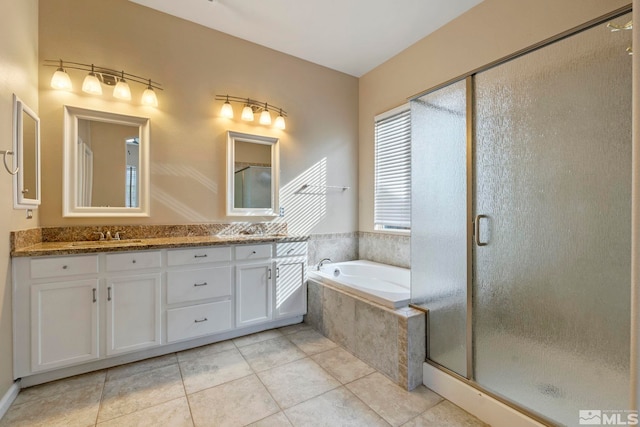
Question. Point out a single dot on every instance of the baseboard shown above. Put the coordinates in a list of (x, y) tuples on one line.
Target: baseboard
[(486, 408), (9, 397)]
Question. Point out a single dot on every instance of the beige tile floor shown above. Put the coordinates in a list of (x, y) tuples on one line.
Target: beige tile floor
[(292, 376)]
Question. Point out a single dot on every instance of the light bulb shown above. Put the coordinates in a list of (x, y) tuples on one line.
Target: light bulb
[(122, 91), (280, 124), (265, 118), (61, 80), (149, 97), (247, 113), (227, 110)]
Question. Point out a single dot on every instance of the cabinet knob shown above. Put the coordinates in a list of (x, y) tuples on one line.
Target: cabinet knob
[(134, 261), (253, 252), (64, 267)]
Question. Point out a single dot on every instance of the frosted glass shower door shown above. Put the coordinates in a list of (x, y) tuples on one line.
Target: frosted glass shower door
[(552, 172), (439, 220)]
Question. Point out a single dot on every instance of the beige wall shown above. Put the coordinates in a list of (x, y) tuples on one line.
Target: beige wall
[(188, 138), (18, 74), (489, 31)]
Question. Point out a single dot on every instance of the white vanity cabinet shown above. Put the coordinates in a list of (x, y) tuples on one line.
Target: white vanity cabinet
[(290, 279), (199, 292), (254, 284), (133, 301), (60, 310), (64, 324), (77, 313)]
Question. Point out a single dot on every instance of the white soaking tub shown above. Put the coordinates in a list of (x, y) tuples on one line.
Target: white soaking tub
[(383, 284)]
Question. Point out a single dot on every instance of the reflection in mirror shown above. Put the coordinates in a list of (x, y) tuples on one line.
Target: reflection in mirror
[(252, 177), (106, 164), (26, 145), (108, 155)]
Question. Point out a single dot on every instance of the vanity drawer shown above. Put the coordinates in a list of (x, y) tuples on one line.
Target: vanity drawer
[(63, 266), (198, 255), (291, 249), (251, 252), (197, 320), (133, 261), (193, 285)]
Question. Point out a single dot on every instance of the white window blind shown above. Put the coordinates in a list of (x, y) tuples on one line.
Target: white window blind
[(393, 169)]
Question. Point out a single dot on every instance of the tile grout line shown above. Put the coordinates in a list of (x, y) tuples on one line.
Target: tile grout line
[(424, 412), (104, 383), (363, 402), (184, 388)]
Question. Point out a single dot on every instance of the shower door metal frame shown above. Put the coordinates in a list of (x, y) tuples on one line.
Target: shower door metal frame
[(470, 100)]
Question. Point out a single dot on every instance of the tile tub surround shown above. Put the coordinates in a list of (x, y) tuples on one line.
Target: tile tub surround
[(391, 249), (320, 384), (337, 246), (391, 341)]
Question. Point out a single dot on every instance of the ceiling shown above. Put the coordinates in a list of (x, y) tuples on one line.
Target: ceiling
[(352, 36)]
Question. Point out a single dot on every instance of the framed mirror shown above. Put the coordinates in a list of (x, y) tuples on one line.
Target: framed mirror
[(26, 149), (106, 164), (253, 173)]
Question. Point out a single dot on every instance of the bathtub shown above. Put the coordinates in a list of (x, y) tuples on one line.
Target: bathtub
[(383, 284)]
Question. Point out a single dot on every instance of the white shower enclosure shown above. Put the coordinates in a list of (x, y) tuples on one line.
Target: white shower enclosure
[(521, 225)]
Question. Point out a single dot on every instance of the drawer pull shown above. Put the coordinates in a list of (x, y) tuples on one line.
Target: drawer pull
[(200, 256), (64, 267), (200, 284), (289, 251), (134, 261), (200, 321), (253, 252), (95, 296), (109, 293)]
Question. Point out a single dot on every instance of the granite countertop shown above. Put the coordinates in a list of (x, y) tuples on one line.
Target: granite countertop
[(84, 247)]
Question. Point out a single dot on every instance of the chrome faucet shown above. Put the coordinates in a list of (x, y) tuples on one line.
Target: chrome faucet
[(107, 235), (322, 262)]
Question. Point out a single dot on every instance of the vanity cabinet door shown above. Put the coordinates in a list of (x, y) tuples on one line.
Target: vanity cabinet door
[(291, 290), (64, 323), (253, 293), (133, 306)]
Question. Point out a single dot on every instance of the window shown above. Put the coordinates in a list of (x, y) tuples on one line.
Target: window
[(392, 197)]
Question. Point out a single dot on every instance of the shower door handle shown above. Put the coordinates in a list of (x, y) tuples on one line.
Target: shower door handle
[(476, 230)]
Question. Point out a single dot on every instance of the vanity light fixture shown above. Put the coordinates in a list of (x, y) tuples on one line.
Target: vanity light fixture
[(247, 112), (280, 124), (265, 116), (60, 79), (227, 109), (252, 107), (98, 76), (91, 83), (122, 90), (149, 96)]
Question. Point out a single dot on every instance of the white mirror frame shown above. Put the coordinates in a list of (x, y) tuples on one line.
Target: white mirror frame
[(232, 137), (20, 200), (70, 206)]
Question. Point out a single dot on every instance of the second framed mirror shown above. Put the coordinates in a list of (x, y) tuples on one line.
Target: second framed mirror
[(252, 175)]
